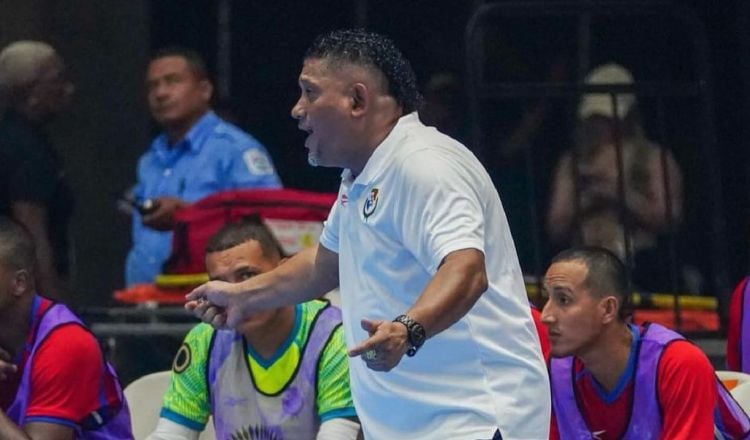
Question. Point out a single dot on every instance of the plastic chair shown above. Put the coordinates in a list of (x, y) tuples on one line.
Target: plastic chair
[(741, 394), (732, 379), (144, 396)]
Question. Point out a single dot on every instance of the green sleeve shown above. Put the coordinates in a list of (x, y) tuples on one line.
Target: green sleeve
[(186, 400), (334, 397)]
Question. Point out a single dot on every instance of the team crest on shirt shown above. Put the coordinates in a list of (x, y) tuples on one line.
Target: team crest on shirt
[(182, 359), (371, 204)]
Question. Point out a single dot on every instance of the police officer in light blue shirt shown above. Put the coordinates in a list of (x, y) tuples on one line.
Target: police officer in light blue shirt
[(198, 154)]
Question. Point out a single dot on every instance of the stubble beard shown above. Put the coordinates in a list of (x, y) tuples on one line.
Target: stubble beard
[(312, 159)]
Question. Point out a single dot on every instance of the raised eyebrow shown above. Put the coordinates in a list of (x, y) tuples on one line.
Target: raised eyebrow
[(555, 289)]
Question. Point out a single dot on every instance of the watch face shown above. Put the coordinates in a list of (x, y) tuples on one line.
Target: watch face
[(415, 332), (417, 335)]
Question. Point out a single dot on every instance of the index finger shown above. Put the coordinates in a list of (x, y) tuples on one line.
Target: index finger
[(368, 344), (197, 293)]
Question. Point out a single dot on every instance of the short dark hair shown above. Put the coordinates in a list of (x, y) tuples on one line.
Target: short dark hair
[(236, 233), (194, 60), (371, 50), (16, 246), (606, 273)]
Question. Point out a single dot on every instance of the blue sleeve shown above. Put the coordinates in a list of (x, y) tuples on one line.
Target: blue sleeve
[(252, 167)]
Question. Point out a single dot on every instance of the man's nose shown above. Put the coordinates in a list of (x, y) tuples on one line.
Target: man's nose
[(297, 111), (546, 316), (160, 91)]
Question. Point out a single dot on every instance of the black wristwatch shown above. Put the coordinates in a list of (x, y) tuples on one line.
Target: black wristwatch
[(414, 332)]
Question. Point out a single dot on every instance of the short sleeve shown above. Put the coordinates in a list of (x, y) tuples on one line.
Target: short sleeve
[(252, 168), (329, 237), (442, 211), (141, 174), (334, 397), (687, 392), (65, 388), (186, 401)]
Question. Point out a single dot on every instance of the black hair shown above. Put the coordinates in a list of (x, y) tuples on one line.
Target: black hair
[(606, 274), (194, 60), (371, 50), (236, 233), (16, 246)]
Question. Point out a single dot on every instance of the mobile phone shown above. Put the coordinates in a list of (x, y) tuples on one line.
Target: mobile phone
[(144, 207)]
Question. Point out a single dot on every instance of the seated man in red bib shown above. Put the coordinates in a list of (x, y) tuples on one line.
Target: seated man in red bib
[(615, 380), (54, 381)]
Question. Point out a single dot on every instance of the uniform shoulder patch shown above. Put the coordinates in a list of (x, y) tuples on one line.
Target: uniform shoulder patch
[(257, 162)]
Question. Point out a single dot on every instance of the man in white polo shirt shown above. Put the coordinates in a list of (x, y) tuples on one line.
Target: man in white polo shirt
[(416, 225)]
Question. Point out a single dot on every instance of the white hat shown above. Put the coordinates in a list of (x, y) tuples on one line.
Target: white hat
[(601, 103)]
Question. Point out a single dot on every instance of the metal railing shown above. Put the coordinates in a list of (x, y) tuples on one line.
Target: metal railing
[(482, 90)]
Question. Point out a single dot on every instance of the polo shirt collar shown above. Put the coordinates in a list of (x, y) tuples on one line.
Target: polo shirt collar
[(383, 154), (194, 139)]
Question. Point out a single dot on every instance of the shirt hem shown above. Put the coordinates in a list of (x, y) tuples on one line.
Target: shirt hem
[(181, 420), (338, 413), (49, 419)]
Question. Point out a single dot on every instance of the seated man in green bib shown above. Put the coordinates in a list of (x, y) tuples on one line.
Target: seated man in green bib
[(282, 374)]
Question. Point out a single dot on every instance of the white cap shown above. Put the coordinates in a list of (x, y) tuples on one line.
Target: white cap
[(601, 103)]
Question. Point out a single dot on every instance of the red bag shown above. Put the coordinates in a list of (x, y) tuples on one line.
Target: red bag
[(294, 217)]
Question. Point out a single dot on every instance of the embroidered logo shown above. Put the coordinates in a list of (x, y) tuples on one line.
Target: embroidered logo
[(344, 200), (257, 162), (370, 204), (182, 359)]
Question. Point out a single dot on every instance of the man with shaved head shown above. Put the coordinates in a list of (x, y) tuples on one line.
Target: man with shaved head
[(33, 90), (434, 306), (612, 379)]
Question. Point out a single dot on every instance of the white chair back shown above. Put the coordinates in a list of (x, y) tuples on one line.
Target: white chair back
[(145, 396), (732, 379), (741, 394)]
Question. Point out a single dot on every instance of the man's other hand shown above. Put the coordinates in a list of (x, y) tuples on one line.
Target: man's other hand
[(162, 217)]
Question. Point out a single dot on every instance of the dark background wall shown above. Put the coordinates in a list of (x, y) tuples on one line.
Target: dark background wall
[(106, 44)]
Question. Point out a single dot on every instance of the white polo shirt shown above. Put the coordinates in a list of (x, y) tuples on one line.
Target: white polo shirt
[(421, 196)]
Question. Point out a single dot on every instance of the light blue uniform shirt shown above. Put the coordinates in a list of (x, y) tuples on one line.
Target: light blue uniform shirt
[(214, 156)]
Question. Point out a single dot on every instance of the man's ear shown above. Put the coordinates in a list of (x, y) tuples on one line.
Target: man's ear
[(207, 89), (22, 282), (360, 96), (610, 308)]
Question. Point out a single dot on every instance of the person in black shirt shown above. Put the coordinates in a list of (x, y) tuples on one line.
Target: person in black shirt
[(33, 90)]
